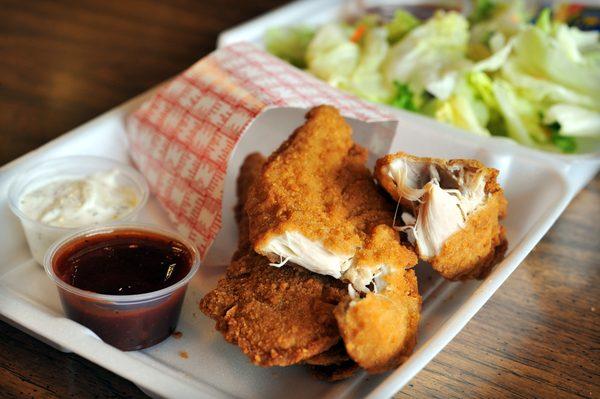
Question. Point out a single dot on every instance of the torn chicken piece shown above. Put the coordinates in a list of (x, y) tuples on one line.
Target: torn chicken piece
[(296, 211), (316, 205), (315, 202), (451, 211), (278, 317), (380, 329)]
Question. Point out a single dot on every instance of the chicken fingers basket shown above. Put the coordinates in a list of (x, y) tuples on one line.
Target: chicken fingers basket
[(323, 274)]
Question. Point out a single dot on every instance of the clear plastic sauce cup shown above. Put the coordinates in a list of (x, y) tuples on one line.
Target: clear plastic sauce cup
[(128, 322), (40, 235)]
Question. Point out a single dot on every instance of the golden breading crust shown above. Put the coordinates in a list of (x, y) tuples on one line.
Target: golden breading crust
[(278, 317), (317, 184), (473, 165), (472, 251), (249, 172), (380, 330)]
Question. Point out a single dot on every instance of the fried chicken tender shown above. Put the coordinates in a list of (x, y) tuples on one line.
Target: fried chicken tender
[(380, 330), (278, 317), (315, 202), (296, 209), (316, 205), (452, 209)]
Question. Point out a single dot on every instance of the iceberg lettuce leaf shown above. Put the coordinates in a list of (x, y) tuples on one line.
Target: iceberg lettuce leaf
[(465, 109), (573, 120), (366, 80), (289, 43), (331, 55), (402, 23), (431, 56), (538, 54), (520, 116)]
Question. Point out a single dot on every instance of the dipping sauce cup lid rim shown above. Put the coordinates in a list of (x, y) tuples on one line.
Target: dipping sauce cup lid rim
[(113, 227), (129, 171)]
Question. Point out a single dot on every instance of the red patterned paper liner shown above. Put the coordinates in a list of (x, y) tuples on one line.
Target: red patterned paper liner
[(181, 138)]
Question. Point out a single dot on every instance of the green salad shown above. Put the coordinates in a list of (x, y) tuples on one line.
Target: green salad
[(497, 72)]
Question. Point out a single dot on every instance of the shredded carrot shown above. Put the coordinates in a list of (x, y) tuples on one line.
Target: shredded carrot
[(358, 33)]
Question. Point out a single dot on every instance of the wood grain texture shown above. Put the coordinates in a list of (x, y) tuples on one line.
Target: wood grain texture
[(64, 62)]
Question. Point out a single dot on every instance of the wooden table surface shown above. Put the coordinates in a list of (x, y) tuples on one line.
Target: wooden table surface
[(64, 62)]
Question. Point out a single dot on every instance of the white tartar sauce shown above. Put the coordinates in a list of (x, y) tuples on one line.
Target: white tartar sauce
[(78, 202)]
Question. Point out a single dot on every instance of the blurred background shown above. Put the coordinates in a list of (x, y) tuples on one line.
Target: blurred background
[(64, 62)]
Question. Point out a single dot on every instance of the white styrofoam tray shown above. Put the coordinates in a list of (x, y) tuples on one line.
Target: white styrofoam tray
[(537, 188)]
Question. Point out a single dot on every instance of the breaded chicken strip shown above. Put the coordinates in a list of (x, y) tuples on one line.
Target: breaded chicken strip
[(315, 204), (278, 317), (452, 210), (380, 329)]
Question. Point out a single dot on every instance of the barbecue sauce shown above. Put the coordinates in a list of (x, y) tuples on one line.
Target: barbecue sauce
[(124, 262)]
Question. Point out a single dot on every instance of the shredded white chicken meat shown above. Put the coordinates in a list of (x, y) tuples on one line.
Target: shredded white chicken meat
[(445, 196), (312, 255)]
